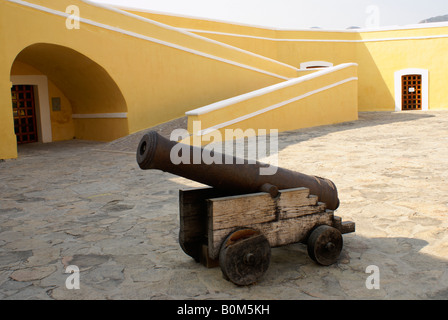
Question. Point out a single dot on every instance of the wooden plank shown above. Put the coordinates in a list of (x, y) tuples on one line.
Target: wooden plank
[(193, 219), (348, 227), (262, 212), (206, 261), (298, 202), (294, 212), (237, 211), (278, 233), (296, 196), (296, 193), (295, 230), (230, 213), (261, 207)]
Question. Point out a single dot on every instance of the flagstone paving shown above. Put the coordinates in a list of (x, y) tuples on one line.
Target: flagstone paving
[(88, 204)]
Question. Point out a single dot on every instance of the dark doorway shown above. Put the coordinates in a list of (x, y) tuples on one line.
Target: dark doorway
[(412, 92), (24, 111)]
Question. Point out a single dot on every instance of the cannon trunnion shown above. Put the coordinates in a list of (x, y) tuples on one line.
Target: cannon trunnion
[(236, 221)]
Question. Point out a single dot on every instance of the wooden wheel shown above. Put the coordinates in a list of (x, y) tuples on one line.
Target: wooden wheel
[(244, 256), (325, 245)]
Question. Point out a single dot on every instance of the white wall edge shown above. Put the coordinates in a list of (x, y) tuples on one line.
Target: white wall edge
[(385, 28), (278, 105), (398, 87), (321, 40), (41, 81), (256, 93), (189, 31), (267, 38)]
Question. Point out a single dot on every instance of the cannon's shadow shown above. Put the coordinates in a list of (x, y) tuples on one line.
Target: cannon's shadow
[(404, 272)]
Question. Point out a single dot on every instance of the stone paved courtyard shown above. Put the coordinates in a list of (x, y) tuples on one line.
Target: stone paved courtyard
[(88, 204)]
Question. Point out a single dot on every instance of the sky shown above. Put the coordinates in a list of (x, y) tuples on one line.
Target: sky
[(299, 14)]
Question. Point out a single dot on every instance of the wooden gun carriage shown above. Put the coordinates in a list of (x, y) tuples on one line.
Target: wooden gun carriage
[(236, 221)]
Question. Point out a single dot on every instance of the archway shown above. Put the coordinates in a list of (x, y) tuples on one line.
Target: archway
[(72, 87)]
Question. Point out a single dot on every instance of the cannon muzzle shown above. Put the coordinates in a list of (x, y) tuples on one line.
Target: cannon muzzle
[(237, 176)]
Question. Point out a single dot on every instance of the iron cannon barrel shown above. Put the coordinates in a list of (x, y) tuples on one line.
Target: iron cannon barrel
[(236, 176)]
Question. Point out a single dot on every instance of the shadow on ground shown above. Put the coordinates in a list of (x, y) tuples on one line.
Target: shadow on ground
[(76, 202)]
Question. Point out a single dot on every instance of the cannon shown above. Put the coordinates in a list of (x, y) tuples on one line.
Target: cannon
[(235, 221)]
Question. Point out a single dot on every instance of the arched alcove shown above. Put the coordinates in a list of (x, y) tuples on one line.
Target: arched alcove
[(98, 108)]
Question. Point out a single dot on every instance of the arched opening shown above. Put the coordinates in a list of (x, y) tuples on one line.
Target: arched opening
[(74, 97)]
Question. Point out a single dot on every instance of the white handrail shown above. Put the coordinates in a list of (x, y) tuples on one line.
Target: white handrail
[(263, 91)]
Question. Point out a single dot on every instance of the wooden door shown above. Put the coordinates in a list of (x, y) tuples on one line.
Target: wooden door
[(24, 111), (412, 92)]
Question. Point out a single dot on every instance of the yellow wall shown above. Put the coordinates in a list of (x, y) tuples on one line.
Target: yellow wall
[(151, 68), (100, 129), (275, 44), (148, 71), (62, 125), (379, 54), (191, 23), (8, 147), (381, 59), (306, 48), (287, 106)]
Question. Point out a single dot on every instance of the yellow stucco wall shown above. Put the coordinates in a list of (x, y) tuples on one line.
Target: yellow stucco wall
[(286, 46), (120, 64), (379, 54), (321, 98), (386, 52), (122, 72)]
